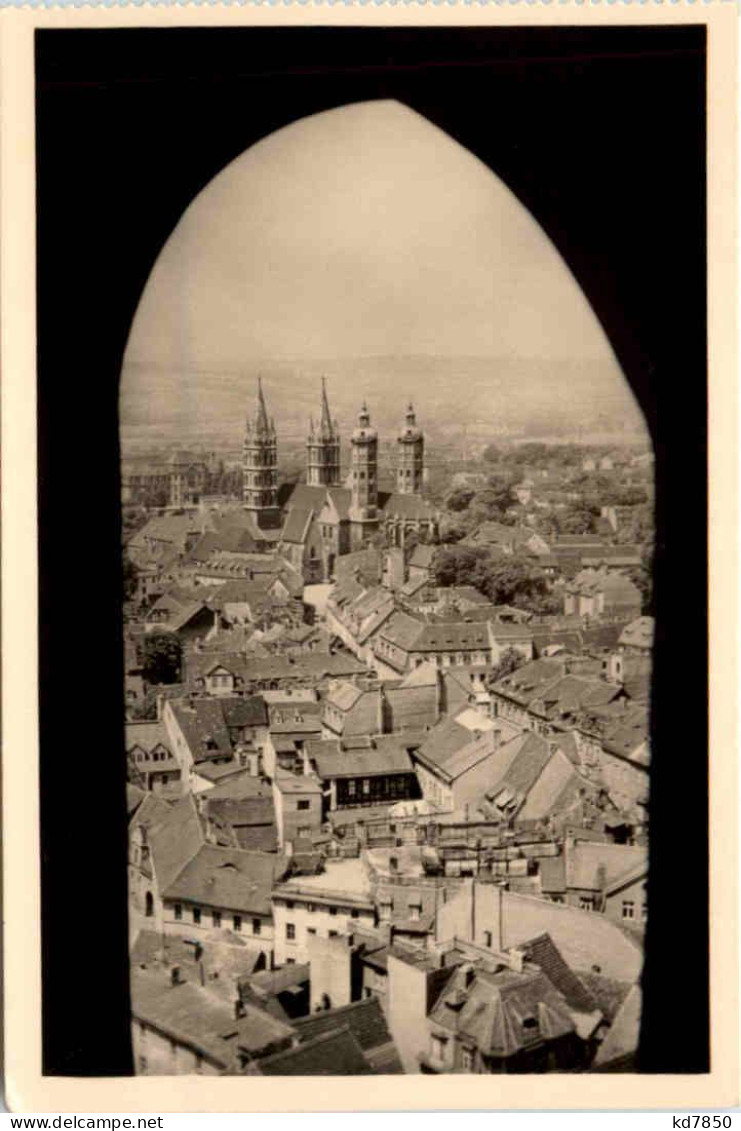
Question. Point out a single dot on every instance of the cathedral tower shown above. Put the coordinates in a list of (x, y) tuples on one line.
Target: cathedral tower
[(411, 462), (364, 473), (259, 465), (323, 448)]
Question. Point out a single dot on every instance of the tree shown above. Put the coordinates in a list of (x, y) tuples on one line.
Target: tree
[(455, 565), (459, 499), (161, 657), (509, 661), (130, 578)]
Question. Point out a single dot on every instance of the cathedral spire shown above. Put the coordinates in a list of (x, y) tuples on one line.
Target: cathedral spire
[(261, 422), (325, 424), (323, 447)]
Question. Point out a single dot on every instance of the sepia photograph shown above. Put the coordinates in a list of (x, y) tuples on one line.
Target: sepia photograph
[(376, 360)]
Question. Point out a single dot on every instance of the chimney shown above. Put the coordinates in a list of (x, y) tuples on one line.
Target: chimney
[(175, 979), (516, 959), (468, 972)]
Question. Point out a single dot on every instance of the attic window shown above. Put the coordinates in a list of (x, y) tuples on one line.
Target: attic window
[(530, 1023), (229, 864)]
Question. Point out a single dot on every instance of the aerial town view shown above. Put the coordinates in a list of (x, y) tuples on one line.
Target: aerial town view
[(388, 645)]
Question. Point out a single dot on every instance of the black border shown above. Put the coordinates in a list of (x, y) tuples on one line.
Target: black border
[(601, 134)]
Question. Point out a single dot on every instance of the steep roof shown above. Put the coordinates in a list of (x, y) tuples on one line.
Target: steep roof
[(336, 1053), (639, 633), (366, 1021), (228, 878), (388, 754), (494, 1010), (296, 526), (175, 840), (585, 859), (189, 1013), (545, 954)]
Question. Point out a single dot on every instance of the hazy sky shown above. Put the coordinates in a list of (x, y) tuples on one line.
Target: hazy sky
[(357, 232)]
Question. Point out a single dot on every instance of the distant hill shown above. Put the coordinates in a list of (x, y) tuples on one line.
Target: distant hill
[(489, 398)]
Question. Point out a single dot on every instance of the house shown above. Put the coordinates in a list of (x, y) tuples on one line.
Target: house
[(298, 807), (336, 1053), (162, 839), (454, 763), (365, 1020), (355, 618), (509, 539), (594, 593), (404, 642), (226, 890), (364, 770), (637, 638), (462, 1008), (240, 822), (287, 739), (151, 763), (177, 1026), (413, 703), (606, 877), (329, 905), (625, 756), (215, 731)]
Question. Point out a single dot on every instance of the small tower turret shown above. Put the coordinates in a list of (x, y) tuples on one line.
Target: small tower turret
[(260, 465), (364, 472), (323, 448), (411, 459)]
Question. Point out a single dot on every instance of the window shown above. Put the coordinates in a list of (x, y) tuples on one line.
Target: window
[(311, 930), (311, 907), (333, 934), (291, 931), (303, 805), (290, 962), (333, 910), (216, 918), (467, 1060), (164, 779), (237, 920), (304, 830), (354, 914), (196, 915), (178, 911), (438, 1047), (289, 904), (586, 902), (256, 926), (351, 788), (366, 785), (628, 909), (487, 938)]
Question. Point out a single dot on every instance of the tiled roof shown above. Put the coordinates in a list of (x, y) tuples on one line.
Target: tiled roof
[(628, 735), (491, 1010), (387, 755), (639, 633), (622, 1038), (336, 1053), (545, 954), (296, 525), (526, 683), (228, 878), (366, 1021), (175, 840), (187, 1012), (584, 860), (405, 506), (146, 735), (134, 798), (203, 727)]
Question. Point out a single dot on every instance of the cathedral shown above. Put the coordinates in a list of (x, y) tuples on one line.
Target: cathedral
[(315, 522)]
